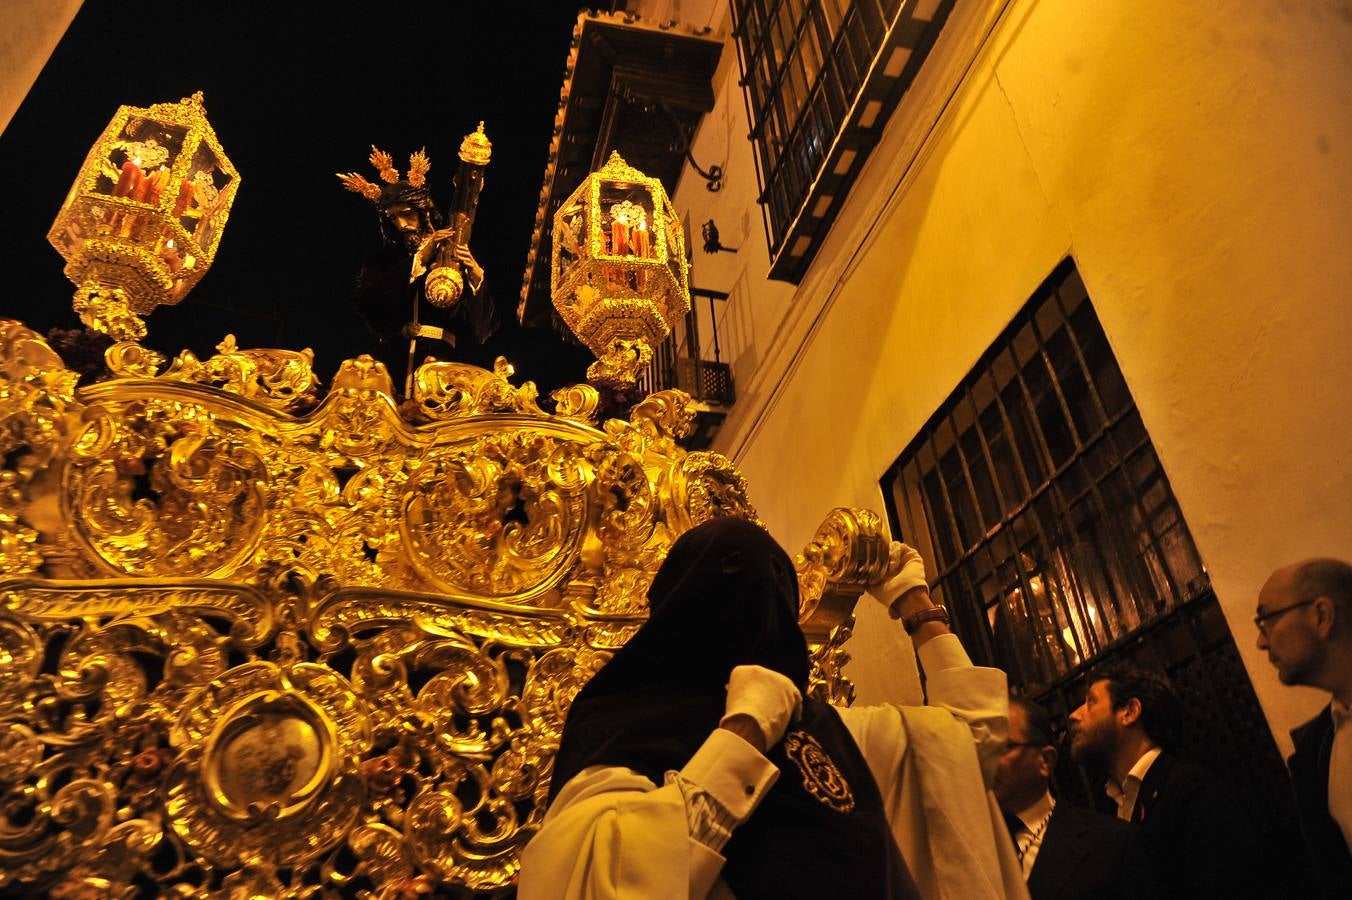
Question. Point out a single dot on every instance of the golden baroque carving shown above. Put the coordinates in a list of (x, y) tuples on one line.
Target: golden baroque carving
[(447, 390), (501, 516), (38, 410), (578, 402), (159, 486), (323, 646), (278, 379)]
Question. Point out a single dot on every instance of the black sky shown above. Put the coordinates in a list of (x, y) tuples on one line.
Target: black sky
[(296, 92)]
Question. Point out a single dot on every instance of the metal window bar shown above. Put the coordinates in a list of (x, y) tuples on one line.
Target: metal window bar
[(786, 171), (1061, 503), (1065, 408)]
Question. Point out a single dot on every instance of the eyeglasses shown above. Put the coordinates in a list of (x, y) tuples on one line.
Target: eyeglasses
[(1264, 620), (1038, 744)]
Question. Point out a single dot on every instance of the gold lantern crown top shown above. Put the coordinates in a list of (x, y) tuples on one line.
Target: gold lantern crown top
[(616, 169), (476, 148)]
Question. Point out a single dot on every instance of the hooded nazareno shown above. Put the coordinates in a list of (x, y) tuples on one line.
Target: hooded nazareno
[(725, 596)]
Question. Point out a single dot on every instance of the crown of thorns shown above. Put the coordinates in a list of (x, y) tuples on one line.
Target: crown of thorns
[(418, 164)]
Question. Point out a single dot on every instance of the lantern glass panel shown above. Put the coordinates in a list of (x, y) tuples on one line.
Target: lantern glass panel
[(675, 247), (626, 220), (199, 199), (569, 233), (137, 166)]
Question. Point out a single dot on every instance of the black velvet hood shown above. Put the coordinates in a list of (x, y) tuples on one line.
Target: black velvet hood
[(727, 595)]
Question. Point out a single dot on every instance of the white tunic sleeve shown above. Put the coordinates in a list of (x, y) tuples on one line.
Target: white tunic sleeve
[(612, 833), (933, 765)]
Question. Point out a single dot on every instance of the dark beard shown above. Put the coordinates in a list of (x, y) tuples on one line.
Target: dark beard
[(412, 242), (1089, 754)]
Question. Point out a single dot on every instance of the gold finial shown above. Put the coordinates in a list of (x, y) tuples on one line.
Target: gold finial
[(476, 148)]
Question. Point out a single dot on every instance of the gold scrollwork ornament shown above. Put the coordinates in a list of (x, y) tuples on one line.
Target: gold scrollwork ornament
[(501, 516)]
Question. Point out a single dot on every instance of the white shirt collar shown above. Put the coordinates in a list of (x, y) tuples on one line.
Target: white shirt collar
[(1038, 811), (1134, 778), (1341, 714)]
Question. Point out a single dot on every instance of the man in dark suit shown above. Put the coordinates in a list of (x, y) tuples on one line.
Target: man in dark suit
[(1304, 624), (1126, 726), (1067, 853)]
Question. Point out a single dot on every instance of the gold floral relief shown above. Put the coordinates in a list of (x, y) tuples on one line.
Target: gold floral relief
[(261, 642), (500, 516), (161, 487)]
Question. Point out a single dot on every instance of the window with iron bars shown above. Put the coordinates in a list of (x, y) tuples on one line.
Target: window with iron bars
[(1037, 495), (820, 79)]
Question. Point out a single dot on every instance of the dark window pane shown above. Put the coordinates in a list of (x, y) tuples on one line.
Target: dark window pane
[(1084, 410), (982, 481), (1056, 433), (1112, 389), (953, 477)]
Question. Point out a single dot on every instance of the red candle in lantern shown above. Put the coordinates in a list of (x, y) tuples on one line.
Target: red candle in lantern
[(619, 238), (142, 191), (129, 180), (641, 239), (157, 184), (184, 197), (171, 256)]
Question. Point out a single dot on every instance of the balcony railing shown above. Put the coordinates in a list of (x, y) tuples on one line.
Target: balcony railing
[(678, 363)]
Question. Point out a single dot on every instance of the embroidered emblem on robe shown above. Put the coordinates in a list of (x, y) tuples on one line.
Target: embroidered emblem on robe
[(821, 778)]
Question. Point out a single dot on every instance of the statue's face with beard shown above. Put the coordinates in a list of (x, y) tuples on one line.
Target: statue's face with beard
[(408, 222)]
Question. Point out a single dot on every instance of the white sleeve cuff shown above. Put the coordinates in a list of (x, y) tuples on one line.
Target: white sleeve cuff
[(732, 772), (943, 651)]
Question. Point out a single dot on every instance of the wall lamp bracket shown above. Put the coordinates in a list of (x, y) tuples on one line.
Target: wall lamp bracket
[(711, 242)]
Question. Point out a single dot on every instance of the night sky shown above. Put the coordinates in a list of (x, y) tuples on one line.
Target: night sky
[(297, 91)]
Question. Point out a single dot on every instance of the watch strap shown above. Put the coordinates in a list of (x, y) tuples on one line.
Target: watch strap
[(935, 613)]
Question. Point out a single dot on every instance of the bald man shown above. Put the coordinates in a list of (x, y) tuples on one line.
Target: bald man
[(1304, 624)]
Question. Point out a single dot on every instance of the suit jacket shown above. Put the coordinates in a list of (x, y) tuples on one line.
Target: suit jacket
[(1310, 778), (1203, 844), (1087, 855)]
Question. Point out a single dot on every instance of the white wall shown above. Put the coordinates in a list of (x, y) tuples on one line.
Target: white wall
[(29, 31), (1195, 159)]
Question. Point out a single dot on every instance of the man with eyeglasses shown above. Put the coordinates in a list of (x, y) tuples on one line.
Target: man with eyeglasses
[(1305, 626), (1067, 853)]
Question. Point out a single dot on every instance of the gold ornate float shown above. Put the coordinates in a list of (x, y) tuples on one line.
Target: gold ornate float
[(259, 642)]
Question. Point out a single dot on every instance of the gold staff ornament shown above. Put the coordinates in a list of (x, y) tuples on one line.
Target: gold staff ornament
[(446, 281), (142, 222)]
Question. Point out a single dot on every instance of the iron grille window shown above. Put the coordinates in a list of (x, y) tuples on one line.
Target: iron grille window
[(1039, 497), (820, 78)]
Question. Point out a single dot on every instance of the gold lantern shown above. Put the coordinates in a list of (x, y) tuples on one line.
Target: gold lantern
[(142, 222), (618, 273)]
